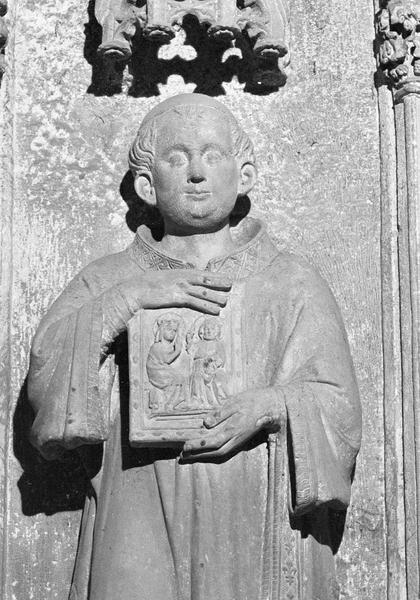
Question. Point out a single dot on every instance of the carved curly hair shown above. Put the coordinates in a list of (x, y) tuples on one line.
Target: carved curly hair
[(142, 151)]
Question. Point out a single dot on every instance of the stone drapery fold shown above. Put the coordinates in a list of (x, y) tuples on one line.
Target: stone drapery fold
[(302, 359)]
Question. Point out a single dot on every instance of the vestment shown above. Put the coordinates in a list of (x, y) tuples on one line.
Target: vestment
[(159, 530)]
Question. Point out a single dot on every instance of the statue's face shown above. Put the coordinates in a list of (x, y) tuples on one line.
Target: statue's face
[(210, 330), (195, 174), (169, 329)]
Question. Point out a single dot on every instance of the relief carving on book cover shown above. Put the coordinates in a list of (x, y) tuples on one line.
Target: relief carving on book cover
[(183, 365)]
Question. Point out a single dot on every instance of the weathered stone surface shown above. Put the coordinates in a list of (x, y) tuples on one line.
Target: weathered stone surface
[(317, 145)]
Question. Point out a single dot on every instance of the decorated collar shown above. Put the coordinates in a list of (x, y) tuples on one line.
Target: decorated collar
[(254, 251)]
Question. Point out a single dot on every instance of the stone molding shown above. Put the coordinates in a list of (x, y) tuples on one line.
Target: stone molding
[(398, 54)]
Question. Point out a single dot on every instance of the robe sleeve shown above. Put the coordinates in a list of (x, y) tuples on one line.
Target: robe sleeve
[(316, 381), (63, 381)]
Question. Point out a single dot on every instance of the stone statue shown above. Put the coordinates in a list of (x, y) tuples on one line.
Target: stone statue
[(245, 506)]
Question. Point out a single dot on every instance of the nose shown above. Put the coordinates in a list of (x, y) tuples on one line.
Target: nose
[(196, 178), (196, 172)]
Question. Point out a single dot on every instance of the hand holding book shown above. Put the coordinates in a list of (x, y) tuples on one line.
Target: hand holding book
[(236, 422)]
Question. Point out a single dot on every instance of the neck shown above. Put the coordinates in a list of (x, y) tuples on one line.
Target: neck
[(198, 248)]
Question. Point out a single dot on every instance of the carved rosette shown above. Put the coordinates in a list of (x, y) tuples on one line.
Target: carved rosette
[(3, 35)]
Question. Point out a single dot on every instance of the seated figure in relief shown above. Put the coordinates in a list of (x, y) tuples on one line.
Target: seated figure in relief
[(246, 509), (167, 366)]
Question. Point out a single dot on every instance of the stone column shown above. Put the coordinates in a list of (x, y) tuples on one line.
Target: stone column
[(398, 27)]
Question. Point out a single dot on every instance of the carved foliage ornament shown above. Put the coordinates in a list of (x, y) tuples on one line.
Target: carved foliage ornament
[(398, 26), (264, 21), (3, 35)]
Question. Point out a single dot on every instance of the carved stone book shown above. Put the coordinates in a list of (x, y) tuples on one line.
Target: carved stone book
[(183, 364)]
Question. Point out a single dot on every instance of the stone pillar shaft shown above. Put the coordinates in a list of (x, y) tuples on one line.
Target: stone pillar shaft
[(398, 26)]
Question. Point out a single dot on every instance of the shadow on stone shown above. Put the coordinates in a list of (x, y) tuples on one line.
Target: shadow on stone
[(106, 79), (324, 524), (208, 70), (45, 486), (139, 213)]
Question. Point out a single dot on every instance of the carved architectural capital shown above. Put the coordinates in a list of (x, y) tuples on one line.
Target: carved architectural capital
[(3, 35), (398, 30)]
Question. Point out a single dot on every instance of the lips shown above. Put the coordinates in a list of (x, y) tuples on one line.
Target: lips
[(199, 194)]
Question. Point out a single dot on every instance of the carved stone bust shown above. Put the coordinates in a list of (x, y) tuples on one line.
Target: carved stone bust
[(206, 381)]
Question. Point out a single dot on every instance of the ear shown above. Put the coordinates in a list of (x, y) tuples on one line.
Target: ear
[(247, 179), (145, 189)]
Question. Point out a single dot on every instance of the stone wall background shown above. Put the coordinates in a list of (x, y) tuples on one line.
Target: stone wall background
[(64, 158)]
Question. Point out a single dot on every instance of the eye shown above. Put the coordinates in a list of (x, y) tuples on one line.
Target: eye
[(213, 156), (177, 159)]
